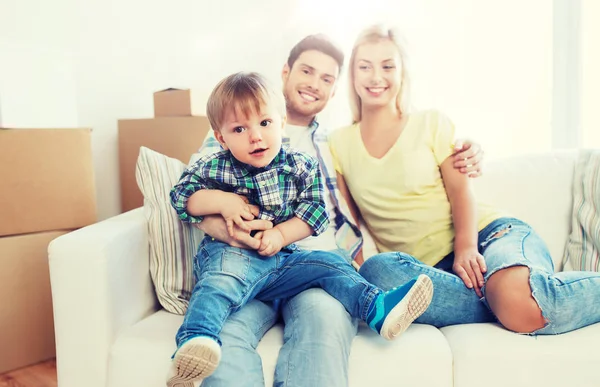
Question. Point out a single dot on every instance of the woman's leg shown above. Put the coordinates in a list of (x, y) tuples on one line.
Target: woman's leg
[(452, 302), (522, 289), (317, 338)]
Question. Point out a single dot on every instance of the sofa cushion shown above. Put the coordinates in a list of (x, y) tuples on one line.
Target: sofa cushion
[(583, 246), (420, 357), (535, 188), (489, 355), (173, 243)]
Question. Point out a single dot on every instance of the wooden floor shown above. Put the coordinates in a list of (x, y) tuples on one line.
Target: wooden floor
[(37, 375)]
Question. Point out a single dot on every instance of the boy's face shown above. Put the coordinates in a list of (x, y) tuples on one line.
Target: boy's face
[(254, 139), (310, 83)]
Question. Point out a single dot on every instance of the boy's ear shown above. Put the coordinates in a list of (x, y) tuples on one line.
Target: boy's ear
[(285, 73), (220, 139), (283, 121)]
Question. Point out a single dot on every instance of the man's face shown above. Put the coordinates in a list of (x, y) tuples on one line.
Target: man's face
[(309, 84)]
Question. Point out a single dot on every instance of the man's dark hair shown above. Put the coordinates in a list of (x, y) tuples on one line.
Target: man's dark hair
[(318, 42)]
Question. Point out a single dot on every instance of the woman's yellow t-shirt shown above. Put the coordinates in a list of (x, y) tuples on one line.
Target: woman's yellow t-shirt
[(401, 196)]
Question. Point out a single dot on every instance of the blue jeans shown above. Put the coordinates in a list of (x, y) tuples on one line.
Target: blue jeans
[(229, 277), (318, 334), (568, 300)]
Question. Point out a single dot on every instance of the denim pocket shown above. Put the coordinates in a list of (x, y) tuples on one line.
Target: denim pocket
[(217, 257), (235, 263)]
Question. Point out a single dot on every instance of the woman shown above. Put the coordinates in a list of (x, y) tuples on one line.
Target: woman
[(397, 165)]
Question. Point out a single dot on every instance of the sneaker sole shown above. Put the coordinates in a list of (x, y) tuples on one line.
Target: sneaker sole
[(193, 364), (413, 305)]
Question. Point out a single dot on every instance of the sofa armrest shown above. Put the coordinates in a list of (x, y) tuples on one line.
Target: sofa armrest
[(100, 284)]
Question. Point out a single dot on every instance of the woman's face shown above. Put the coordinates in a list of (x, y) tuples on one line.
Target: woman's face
[(377, 73)]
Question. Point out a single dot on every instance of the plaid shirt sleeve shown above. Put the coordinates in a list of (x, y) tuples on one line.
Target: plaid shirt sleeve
[(310, 202), (192, 180)]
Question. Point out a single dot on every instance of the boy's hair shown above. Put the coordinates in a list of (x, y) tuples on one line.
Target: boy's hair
[(318, 42), (245, 93)]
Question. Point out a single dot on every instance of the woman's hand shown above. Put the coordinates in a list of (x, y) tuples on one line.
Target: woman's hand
[(469, 265)]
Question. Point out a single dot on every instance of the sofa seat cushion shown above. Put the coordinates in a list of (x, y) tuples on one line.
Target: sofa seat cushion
[(489, 355), (421, 357)]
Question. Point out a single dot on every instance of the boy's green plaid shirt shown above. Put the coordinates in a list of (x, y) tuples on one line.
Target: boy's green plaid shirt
[(289, 186), (347, 234)]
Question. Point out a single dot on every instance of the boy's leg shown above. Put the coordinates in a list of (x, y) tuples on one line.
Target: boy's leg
[(225, 280), (318, 334), (240, 364), (388, 313), (452, 302)]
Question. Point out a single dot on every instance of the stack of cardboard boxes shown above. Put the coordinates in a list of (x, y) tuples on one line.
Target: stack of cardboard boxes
[(175, 131), (46, 190)]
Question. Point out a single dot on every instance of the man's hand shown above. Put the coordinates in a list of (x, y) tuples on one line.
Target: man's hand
[(469, 265), (216, 227), (235, 209), (271, 242), (467, 157)]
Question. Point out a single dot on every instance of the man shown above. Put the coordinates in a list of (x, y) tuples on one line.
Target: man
[(318, 331)]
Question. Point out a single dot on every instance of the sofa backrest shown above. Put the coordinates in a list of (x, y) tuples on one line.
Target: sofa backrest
[(536, 188)]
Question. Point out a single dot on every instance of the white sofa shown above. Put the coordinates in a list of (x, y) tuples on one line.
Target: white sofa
[(111, 332)]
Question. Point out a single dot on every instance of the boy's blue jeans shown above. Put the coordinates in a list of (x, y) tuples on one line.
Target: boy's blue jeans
[(568, 300), (229, 277)]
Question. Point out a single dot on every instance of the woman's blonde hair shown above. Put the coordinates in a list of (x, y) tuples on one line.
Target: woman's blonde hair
[(375, 34)]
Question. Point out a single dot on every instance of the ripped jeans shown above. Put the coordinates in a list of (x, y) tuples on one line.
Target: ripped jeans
[(568, 300)]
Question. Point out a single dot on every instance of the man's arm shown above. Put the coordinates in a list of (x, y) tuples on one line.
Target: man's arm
[(468, 157), (216, 227)]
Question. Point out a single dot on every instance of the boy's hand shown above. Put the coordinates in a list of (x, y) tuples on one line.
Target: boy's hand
[(469, 265), (235, 209), (271, 242), (216, 227), (467, 157)]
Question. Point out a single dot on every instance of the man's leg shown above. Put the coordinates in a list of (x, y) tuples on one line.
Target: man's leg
[(240, 363), (452, 303), (317, 338)]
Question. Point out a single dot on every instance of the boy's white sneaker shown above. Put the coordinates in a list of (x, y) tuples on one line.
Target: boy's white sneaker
[(195, 360)]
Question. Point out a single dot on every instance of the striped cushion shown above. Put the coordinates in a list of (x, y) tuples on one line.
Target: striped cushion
[(583, 246), (173, 243)]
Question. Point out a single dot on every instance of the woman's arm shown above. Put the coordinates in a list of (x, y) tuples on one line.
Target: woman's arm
[(468, 263)]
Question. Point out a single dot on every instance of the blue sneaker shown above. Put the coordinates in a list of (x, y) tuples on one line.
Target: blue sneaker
[(397, 308)]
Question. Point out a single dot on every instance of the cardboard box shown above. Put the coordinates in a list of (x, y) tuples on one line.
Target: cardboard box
[(26, 320), (178, 103), (177, 137), (47, 180)]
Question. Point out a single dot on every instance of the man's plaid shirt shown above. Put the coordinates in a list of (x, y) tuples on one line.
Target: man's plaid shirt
[(347, 234), (289, 186)]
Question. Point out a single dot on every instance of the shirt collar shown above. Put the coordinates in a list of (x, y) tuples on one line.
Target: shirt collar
[(241, 170)]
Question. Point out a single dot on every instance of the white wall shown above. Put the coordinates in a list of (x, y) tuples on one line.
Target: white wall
[(487, 64), (590, 34), (37, 66)]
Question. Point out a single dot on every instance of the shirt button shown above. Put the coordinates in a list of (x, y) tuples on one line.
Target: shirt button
[(268, 208)]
